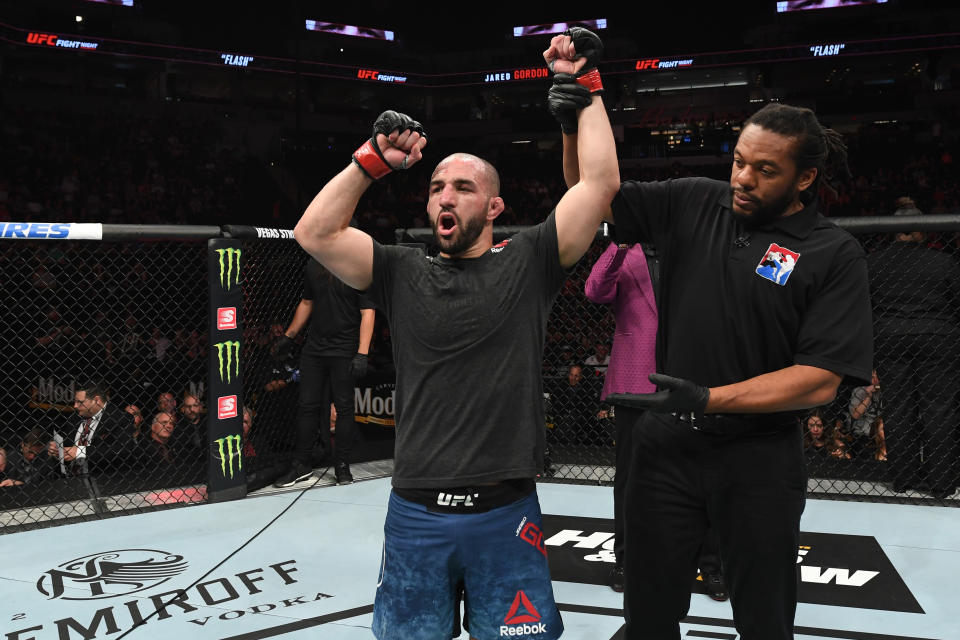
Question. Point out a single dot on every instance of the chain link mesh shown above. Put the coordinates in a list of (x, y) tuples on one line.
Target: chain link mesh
[(128, 319), (899, 436), (131, 319), (903, 444), (272, 287), (580, 429)]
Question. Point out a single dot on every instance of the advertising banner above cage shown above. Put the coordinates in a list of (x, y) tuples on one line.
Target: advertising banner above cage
[(374, 72)]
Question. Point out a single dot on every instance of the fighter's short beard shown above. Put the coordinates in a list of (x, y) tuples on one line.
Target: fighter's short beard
[(765, 213), (466, 235)]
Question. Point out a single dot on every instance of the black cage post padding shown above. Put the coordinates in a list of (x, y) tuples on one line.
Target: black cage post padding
[(226, 478)]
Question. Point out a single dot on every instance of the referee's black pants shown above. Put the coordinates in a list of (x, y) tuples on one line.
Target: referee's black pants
[(624, 419), (750, 489)]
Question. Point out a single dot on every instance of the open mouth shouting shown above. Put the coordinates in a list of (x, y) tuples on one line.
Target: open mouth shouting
[(446, 224)]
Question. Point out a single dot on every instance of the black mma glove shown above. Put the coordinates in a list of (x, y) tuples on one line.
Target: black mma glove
[(285, 346), (358, 366), (565, 98), (370, 158), (677, 396), (587, 45)]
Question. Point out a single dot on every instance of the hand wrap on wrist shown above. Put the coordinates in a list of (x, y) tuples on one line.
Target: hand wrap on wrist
[(369, 158), (588, 45)]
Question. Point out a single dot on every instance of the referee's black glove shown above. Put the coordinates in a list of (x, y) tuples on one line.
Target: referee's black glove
[(676, 395)]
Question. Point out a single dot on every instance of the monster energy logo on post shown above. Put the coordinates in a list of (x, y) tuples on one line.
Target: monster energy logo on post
[(229, 443), (227, 270), (224, 374), (232, 349)]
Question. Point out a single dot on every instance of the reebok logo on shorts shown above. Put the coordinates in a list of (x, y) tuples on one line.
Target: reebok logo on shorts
[(521, 613)]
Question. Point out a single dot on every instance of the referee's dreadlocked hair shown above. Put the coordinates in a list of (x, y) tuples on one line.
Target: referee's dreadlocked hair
[(817, 147)]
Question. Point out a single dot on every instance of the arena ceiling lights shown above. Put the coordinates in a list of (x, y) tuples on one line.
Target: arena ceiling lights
[(784, 6), (558, 27), (349, 30)]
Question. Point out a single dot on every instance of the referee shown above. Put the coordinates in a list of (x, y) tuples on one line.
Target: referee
[(764, 310)]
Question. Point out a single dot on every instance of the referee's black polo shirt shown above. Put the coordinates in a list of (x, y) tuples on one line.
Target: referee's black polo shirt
[(737, 303)]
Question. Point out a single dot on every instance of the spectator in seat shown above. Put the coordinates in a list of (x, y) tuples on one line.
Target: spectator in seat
[(866, 424), (191, 435), (599, 359), (27, 464), (576, 408), (815, 437), (841, 439), (6, 480), (137, 416), (103, 433), (157, 453), (167, 403)]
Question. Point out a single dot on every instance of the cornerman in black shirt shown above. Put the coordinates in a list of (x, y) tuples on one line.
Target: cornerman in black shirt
[(915, 290), (468, 330), (764, 309), (333, 357)]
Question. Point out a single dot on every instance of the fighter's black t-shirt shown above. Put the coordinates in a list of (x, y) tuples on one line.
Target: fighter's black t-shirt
[(736, 303), (335, 318), (468, 339)]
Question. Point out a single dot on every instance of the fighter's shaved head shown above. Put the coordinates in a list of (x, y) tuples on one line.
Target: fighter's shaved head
[(488, 174)]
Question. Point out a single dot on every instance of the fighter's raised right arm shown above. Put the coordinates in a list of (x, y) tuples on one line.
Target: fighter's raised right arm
[(324, 229)]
